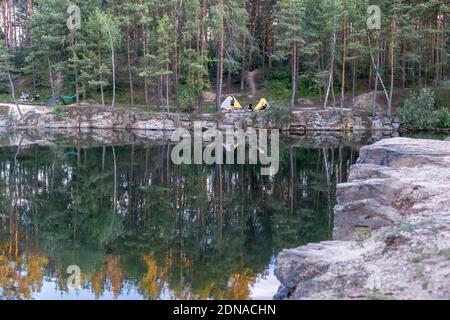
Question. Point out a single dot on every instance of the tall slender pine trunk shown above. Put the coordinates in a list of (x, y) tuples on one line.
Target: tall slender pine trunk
[(344, 62), (220, 54), (50, 74), (130, 74), (294, 76), (113, 65)]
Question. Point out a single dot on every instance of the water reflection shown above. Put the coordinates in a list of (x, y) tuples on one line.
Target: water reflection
[(142, 228)]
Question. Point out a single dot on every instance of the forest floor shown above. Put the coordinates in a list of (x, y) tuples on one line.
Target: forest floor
[(363, 99)]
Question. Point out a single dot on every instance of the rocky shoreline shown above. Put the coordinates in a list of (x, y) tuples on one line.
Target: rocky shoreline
[(392, 230), (107, 137), (89, 117)]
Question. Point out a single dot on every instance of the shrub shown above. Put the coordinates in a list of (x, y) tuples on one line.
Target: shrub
[(421, 112), (279, 85), (59, 111), (279, 117), (441, 118), (443, 95), (4, 89)]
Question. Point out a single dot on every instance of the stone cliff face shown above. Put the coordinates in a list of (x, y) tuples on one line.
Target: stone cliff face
[(89, 117), (391, 235)]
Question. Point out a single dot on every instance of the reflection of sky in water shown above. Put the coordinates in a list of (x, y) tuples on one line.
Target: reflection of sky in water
[(264, 288)]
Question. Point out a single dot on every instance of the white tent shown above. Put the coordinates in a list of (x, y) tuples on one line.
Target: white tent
[(226, 104)]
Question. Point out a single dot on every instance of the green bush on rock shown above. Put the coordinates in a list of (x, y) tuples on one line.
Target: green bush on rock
[(442, 118), (422, 112), (59, 112), (279, 117)]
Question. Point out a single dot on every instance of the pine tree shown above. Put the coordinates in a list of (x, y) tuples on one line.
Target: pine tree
[(95, 70), (290, 30)]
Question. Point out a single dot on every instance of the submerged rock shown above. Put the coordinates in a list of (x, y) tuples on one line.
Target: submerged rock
[(392, 223)]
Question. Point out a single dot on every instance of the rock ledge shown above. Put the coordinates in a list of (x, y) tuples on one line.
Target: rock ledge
[(392, 230)]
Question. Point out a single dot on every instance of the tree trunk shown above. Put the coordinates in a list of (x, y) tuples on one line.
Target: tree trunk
[(243, 65), (167, 89), (50, 74), (378, 75), (34, 75), (5, 22), (13, 92), (102, 93), (330, 80), (294, 77), (30, 9), (392, 62), (375, 93), (11, 26), (130, 74), (113, 64), (144, 54), (75, 67), (220, 53), (354, 80), (344, 61)]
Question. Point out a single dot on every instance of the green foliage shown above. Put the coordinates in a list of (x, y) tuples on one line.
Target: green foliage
[(4, 89), (443, 95), (169, 44), (59, 111), (441, 118), (290, 18), (194, 79), (101, 32), (278, 86), (279, 117), (422, 112)]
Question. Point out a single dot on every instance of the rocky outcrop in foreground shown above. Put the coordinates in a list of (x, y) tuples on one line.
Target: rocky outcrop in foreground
[(392, 230)]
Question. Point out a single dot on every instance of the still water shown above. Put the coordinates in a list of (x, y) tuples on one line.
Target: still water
[(139, 227)]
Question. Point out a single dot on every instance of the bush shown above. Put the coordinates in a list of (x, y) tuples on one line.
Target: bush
[(59, 111), (279, 117), (421, 112), (4, 89), (441, 118), (443, 96), (279, 85)]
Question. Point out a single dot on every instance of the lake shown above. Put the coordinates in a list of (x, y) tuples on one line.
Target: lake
[(139, 227)]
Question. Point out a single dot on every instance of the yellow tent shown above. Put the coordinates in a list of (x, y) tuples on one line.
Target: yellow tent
[(227, 107), (262, 105)]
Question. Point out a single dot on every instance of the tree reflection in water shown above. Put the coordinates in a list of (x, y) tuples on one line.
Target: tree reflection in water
[(131, 219)]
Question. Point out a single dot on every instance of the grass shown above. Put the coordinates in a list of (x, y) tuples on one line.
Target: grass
[(362, 234)]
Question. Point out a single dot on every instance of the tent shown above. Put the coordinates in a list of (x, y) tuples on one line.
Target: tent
[(262, 105), (69, 99), (54, 101), (226, 105), (61, 100)]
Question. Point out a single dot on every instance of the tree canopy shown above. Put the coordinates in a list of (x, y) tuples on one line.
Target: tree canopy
[(167, 53)]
